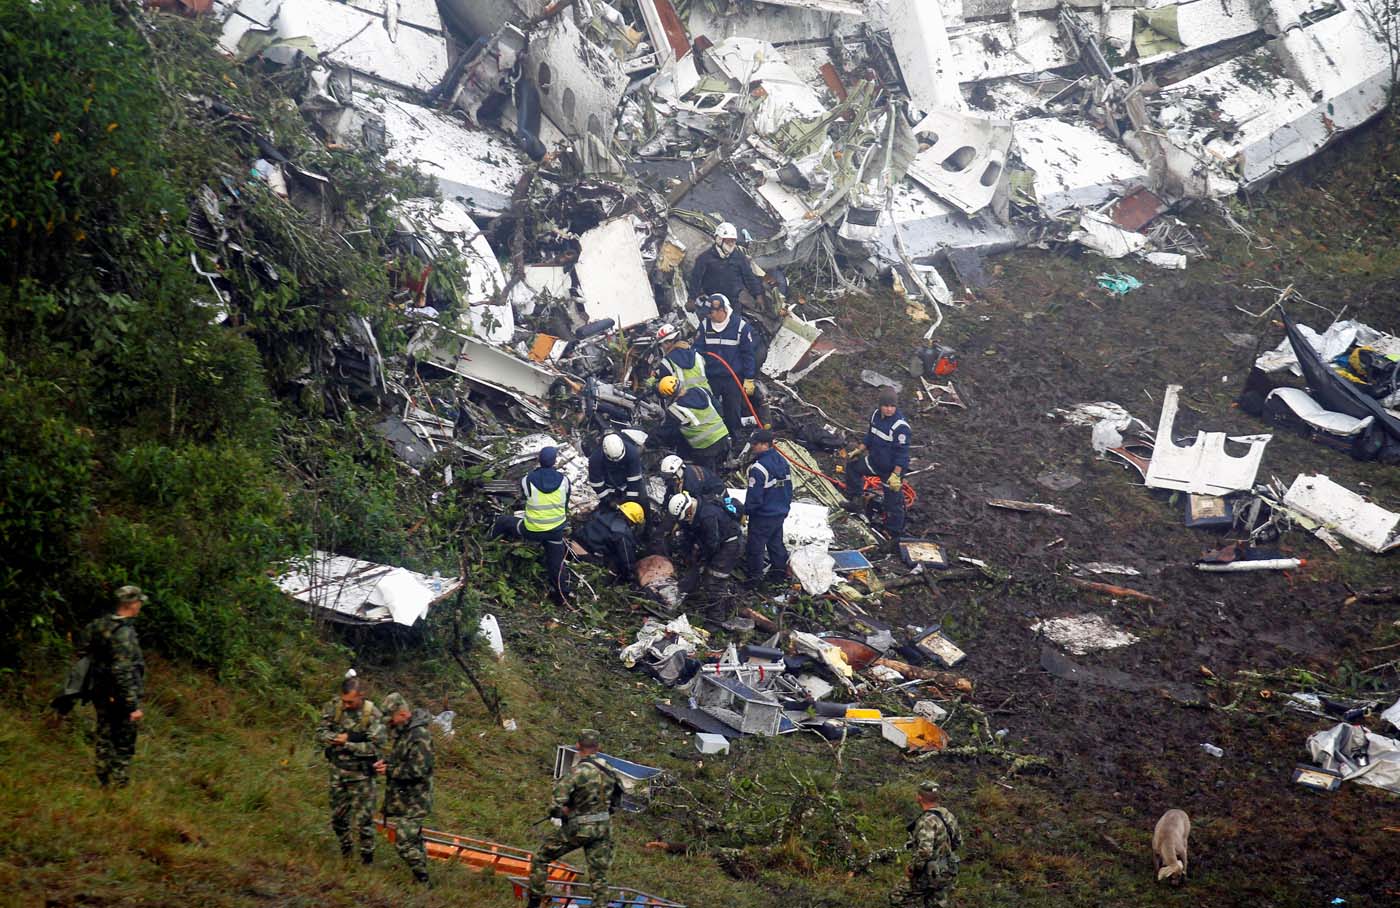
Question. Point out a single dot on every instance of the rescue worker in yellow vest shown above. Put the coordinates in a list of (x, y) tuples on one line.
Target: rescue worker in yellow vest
[(546, 492), (693, 424), (680, 359)]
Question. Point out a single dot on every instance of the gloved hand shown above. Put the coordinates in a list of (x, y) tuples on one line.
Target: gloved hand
[(748, 386), (895, 483)]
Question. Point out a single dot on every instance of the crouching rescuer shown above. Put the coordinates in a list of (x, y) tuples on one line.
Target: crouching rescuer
[(584, 801), (546, 492)]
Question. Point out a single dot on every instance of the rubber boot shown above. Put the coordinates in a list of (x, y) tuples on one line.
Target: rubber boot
[(420, 877)]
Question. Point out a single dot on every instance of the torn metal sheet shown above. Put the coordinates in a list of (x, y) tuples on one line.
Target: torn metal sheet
[(483, 364), (612, 278), (446, 227), (964, 161), (786, 97), (925, 56), (1075, 165), (580, 82), (1368, 525), (1084, 634), (362, 592), (1029, 507), (1319, 417), (1204, 467), (474, 167), (668, 35), (343, 35), (789, 345)]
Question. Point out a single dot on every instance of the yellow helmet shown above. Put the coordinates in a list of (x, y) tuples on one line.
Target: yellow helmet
[(668, 385), (633, 512)]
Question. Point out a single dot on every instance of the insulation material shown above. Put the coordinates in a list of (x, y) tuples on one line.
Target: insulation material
[(1204, 468), (1341, 510), (363, 592), (1099, 233), (814, 567), (1083, 634), (612, 276), (806, 523)]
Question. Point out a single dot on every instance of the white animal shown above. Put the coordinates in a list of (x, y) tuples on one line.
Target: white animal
[(1169, 845)]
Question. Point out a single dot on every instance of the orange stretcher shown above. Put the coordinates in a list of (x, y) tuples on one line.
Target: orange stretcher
[(482, 854)]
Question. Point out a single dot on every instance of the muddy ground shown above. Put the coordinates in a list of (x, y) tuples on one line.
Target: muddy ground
[(1042, 336)]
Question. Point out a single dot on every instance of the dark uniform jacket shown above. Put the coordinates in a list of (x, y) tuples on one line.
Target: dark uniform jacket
[(711, 528), (732, 343), (623, 475), (769, 491), (116, 668), (887, 443), (409, 772), (698, 482), (609, 535), (728, 274)]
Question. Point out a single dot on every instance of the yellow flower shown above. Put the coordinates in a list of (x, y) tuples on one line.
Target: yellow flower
[(112, 171), (57, 174), (57, 137), (87, 105), (112, 126)]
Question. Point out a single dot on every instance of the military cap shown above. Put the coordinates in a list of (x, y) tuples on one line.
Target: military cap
[(394, 703), (128, 593), (889, 397), (928, 787), (588, 737)]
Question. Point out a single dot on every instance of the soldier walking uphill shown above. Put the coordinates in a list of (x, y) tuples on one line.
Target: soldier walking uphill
[(408, 773), (584, 800), (352, 733), (934, 841), (116, 682)]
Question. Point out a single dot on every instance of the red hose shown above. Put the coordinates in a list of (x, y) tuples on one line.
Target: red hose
[(909, 494)]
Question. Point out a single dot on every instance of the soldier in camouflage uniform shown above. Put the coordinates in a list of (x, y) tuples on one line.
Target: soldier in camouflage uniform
[(116, 681), (934, 841), (584, 800), (408, 772), (352, 733)]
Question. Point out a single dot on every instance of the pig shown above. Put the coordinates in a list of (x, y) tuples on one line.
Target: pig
[(1169, 846)]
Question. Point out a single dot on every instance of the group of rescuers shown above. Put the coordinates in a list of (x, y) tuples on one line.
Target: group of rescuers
[(363, 743), (706, 388)]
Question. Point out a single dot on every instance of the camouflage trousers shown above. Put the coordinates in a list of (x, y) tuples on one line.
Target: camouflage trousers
[(408, 842), (921, 893), (596, 841), (352, 812), (116, 745)]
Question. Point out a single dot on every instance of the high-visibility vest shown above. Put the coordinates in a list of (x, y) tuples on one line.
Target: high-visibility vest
[(701, 427), (694, 377), (545, 511)]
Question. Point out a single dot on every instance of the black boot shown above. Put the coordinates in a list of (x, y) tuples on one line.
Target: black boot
[(534, 901), (345, 851), (367, 857), (420, 877)]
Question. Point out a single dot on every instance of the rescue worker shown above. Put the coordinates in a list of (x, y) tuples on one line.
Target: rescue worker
[(352, 734), (615, 470), (724, 269), (610, 534), (934, 841), (546, 492), (726, 340), (584, 801), (886, 455), (116, 682), (767, 500), (709, 539), (680, 359), (693, 479), (693, 423), (408, 773)]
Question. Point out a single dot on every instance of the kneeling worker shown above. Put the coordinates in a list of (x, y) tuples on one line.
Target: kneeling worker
[(610, 534), (546, 517), (615, 470), (709, 539), (691, 418)]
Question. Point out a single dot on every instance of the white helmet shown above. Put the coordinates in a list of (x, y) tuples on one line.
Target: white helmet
[(671, 465), (667, 332), (613, 449), (680, 504), (726, 231)]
